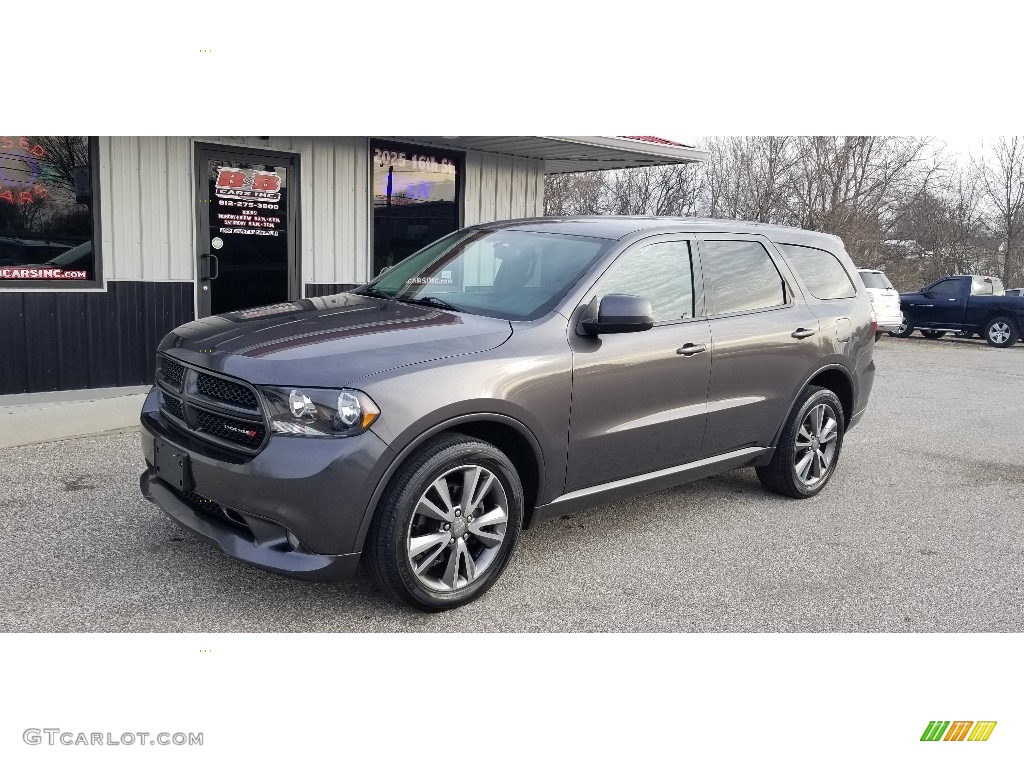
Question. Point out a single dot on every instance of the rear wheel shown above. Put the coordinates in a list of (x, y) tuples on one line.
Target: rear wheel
[(906, 328), (1001, 332), (933, 334), (447, 525), (809, 447)]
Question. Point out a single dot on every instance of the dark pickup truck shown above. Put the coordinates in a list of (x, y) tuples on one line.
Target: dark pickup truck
[(965, 304)]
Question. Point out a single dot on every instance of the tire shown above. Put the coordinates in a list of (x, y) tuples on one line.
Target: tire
[(904, 330), (1001, 332), (783, 474), (933, 334), (457, 564)]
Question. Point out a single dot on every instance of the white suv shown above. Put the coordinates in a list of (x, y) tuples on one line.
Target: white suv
[(885, 300)]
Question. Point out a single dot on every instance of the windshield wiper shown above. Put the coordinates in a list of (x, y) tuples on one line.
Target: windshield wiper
[(376, 293), (431, 301)]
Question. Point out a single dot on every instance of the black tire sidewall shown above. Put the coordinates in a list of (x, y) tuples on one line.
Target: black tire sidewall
[(400, 502), (909, 328)]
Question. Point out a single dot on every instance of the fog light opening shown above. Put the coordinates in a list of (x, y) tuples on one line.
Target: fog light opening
[(295, 543)]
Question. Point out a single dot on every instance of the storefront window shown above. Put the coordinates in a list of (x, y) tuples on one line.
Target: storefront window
[(48, 212), (415, 199)]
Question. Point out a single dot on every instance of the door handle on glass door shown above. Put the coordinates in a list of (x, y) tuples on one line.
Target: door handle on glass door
[(212, 271), (802, 333), (689, 350)]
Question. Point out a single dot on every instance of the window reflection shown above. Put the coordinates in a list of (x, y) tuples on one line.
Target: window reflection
[(415, 193), (46, 208)]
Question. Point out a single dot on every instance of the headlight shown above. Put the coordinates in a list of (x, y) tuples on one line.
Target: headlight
[(320, 412)]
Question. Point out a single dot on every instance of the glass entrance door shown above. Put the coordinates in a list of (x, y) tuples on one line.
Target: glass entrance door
[(247, 225)]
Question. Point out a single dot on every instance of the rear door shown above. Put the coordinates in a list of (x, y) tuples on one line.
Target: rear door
[(764, 341)]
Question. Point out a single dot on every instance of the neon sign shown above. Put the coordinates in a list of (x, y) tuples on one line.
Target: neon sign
[(23, 156)]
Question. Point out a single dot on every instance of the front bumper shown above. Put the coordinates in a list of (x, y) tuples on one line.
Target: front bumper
[(257, 542), (316, 489)]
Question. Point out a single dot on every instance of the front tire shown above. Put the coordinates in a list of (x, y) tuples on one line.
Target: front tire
[(447, 524), (809, 447), (933, 334), (906, 328), (1001, 332)]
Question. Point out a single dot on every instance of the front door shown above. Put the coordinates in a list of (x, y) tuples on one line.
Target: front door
[(247, 204), (639, 400)]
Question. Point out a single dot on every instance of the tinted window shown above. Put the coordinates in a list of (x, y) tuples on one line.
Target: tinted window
[(821, 272), (742, 276), (47, 211), (876, 280), (946, 288), (661, 273), (503, 273)]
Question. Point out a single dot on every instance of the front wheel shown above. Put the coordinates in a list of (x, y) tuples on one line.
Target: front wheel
[(447, 524), (933, 334), (1001, 332), (809, 447), (906, 328)]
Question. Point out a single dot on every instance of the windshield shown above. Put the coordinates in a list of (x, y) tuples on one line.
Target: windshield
[(513, 275), (876, 280)]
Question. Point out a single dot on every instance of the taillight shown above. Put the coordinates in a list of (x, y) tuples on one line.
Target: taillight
[(874, 327)]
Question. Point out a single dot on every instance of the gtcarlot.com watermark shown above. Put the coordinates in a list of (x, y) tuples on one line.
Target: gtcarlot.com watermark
[(56, 736)]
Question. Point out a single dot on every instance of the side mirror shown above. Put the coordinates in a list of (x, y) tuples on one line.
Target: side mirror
[(616, 313)]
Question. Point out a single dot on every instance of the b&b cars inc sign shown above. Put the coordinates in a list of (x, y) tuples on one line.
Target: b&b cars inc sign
[(248, 201)]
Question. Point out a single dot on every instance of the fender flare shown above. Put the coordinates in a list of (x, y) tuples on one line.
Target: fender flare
[(828, 367), (409, 448)]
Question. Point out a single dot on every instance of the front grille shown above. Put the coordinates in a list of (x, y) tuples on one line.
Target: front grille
[(172, 405), (172, 372), (211, 407), (228, 391), (235, 430)]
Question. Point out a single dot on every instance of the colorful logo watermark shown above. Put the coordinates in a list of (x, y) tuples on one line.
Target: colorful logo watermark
[(958, 730)]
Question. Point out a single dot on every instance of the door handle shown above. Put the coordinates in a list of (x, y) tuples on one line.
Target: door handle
[(688, 350), (212, 264), (803, 333)]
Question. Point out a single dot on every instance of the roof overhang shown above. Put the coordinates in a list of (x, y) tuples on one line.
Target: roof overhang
[(569, 154)]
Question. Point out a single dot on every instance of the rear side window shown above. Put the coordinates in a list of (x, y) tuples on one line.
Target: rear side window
[(743, 276), (821, 272), (876, 280)]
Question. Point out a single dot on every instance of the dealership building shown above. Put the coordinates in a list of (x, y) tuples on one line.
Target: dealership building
[(108, 243)]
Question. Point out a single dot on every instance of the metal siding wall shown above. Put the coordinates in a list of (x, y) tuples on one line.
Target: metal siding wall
[(69, 340), (148, 206), (499, 187)]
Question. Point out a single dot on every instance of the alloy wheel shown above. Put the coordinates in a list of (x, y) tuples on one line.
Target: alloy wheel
[(999, 332), (816, 445), (457, 528)]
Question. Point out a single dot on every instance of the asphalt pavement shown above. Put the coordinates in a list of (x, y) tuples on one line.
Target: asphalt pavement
[(920, 530)]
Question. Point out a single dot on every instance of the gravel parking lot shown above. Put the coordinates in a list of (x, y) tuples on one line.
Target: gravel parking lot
[(920, 530)]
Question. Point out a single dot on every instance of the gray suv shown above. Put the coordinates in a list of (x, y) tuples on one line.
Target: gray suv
[(503, 375)]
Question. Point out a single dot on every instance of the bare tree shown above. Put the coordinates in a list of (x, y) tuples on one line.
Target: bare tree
[(574, 194), (666, 190), (1001, 179)]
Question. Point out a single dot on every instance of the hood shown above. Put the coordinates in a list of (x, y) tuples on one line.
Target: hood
[(330, 341)]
